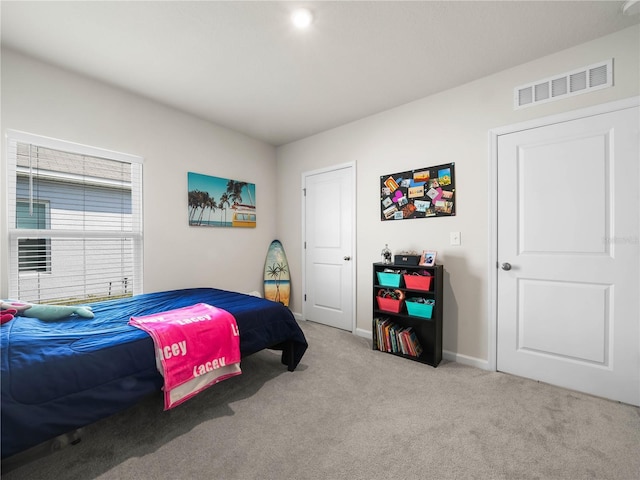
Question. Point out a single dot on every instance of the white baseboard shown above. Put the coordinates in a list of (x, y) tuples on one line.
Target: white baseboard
[(298, 316), (364, 333), (465, 360), (447, 355)]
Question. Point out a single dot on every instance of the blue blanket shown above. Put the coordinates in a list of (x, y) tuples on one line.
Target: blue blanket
[(59, 376)]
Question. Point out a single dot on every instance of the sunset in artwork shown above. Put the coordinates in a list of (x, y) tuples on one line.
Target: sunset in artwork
[(421, 176)]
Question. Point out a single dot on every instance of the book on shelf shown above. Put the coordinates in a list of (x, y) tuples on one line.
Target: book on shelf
[(393, 338), (415, 343)]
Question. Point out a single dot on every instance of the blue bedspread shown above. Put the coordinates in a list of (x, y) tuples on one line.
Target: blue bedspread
[(59, 376)]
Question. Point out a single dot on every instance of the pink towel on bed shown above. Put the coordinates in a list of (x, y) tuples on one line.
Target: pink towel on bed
[(196, 347)]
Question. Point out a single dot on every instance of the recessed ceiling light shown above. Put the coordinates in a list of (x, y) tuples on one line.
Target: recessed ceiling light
[(302, 18)]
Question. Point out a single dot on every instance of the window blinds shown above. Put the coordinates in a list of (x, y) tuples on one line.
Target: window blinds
[(75, 222)]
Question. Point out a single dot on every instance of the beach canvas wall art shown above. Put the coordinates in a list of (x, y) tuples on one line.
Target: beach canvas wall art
[(220, 202)]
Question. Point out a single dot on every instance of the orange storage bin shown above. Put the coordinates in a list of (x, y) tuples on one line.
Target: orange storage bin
[(389, 304), (418, 282)]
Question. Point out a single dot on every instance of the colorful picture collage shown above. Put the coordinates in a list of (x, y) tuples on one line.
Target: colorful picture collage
[(422, 193)]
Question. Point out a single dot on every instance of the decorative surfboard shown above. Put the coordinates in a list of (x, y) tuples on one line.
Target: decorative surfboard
[(277, 283)]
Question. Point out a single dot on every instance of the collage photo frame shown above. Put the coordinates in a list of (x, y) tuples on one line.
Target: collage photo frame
[(421, 193)]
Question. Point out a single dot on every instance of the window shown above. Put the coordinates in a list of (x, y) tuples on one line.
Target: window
[(75, 221), (34, 254)]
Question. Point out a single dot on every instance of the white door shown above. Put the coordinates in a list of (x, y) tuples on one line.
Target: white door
[(568, 216), (329, 252)]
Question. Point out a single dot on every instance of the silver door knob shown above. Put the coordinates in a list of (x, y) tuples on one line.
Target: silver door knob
[(506, 266), (347, 258)]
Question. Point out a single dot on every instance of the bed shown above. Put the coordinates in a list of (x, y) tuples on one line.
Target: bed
[(60, 376)]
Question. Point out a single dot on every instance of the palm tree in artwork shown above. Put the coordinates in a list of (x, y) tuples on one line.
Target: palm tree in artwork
[(194, 202), (211, 205), (205, 202), (200, 200), (197, 199), (272, 271), (275, 271), (224, 200), (234, 189)]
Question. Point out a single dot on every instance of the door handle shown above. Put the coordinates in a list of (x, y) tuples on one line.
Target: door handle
[(347, 258), (506, 266)]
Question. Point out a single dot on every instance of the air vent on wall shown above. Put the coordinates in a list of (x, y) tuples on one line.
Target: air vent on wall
[(576, 82)]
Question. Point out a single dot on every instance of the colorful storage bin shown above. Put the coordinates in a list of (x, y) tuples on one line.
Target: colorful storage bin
[(424, 310), (388, 279), (389, 304), (418, 282)]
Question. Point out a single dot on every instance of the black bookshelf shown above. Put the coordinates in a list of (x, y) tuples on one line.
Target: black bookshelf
[(428, 331)]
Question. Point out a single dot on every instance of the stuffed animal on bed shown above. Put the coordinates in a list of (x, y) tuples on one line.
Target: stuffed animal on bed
[(47, 313), (7, 314)]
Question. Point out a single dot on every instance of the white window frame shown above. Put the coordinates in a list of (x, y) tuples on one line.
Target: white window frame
[(12, 138)]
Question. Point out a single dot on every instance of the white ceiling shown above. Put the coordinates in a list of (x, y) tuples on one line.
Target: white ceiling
[(242, 65)]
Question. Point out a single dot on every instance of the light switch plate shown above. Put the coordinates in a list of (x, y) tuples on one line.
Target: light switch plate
[(454, 238)]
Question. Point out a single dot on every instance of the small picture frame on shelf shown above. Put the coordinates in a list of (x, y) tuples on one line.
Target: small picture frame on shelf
[(428, 258)]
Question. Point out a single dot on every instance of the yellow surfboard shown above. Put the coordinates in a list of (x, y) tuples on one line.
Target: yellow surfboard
[(277, 283)]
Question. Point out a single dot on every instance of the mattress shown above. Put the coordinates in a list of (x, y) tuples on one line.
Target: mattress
[(60, 376)]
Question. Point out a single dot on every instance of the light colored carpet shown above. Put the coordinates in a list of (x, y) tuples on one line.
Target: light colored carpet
[(349, 412)]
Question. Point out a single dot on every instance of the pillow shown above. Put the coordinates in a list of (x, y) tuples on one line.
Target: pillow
[(47, 313)]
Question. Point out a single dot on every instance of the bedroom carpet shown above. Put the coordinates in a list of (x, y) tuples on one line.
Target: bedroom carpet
[(349, 412)]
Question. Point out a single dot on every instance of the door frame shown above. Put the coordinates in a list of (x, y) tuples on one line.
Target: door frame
[(354, 256), (494, 134)]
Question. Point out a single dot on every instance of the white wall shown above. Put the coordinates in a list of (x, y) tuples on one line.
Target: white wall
[(44, 100), (448, 127)]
